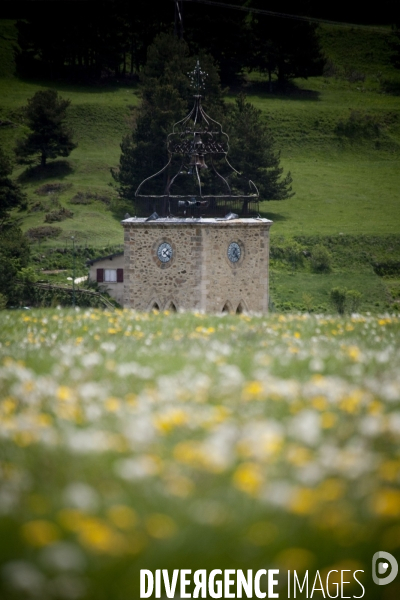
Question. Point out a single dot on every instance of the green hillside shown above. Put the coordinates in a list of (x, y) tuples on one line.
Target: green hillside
[(339, 135)]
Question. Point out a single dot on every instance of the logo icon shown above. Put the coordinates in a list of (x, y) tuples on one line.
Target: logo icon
[(386, 560)]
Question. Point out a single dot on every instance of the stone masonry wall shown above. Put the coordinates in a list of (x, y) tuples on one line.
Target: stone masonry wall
[(200, 275)]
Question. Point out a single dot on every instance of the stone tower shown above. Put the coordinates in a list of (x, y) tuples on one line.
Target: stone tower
[(197, 242)]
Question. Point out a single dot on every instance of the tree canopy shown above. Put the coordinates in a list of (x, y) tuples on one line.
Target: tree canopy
[(50, 137), (11, 195), (284, 47), (14, 247), (253, 153), (113, 38)]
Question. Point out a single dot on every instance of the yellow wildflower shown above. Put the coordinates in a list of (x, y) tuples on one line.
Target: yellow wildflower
[(298, 455), (169, 420), (304, 501), (375, 407), (8, 406), (248, 478), (112, 404), (386, 502), (39, 533), (319, 402), (64, 393), (328, 420), (24, 438), (97, 536), (252, 389)]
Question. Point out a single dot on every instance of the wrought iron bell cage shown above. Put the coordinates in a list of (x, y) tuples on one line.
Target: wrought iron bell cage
[(198, 179)]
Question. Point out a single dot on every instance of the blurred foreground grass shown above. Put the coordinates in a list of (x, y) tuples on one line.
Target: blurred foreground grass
[(132, 441)]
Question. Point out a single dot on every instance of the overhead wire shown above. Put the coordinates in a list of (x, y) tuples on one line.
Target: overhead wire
[(272, 13)]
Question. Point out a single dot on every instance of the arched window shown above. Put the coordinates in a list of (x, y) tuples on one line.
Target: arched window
[(227, 307), (240, 309), (171, 307), (154, 306)]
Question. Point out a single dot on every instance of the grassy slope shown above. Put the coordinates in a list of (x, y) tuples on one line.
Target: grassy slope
[(349, 187), (342, 187)]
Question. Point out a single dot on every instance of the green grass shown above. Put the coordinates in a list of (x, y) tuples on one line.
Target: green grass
[(151, 441)]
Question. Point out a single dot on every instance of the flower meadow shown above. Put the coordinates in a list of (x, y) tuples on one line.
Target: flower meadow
[(136, 441)]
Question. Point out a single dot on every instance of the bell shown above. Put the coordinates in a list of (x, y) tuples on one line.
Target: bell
[(194, 160), (200, 162), (197, 160)]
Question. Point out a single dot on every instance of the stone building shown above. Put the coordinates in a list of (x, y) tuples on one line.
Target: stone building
[(205, 264)]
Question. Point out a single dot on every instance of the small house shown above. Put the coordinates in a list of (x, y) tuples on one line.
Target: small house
[(108, 271)]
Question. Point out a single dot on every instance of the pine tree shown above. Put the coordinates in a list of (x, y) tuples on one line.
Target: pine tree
[(14, 247), (49, 137), (252, 151), (11, 195)]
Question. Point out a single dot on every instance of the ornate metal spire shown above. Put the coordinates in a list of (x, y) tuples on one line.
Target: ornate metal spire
[(197, 78), (200, 180)]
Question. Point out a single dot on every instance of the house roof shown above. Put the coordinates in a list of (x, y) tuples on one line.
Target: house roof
[(109, 256)]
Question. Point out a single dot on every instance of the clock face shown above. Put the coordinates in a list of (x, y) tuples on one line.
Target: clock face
[(234, 252), (164, 252)]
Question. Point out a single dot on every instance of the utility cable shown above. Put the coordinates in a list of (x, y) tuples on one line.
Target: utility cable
[(272, 13)]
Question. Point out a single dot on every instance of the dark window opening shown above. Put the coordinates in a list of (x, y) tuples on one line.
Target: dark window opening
[(227, 308)]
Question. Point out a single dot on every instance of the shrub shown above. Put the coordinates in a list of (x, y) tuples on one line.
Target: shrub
[(50, 188), (81, 198), (355, 76), (89, 196), (354, 300), (321, 259), (3, 301), (36, 207), (338, 298), (289, 250), (359, 124), (308, 301), (389, 268), (43, 232), (58, 215), (294, 253)]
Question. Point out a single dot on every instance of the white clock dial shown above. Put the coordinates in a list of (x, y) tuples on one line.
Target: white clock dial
[(234, 252), (164, 252)]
